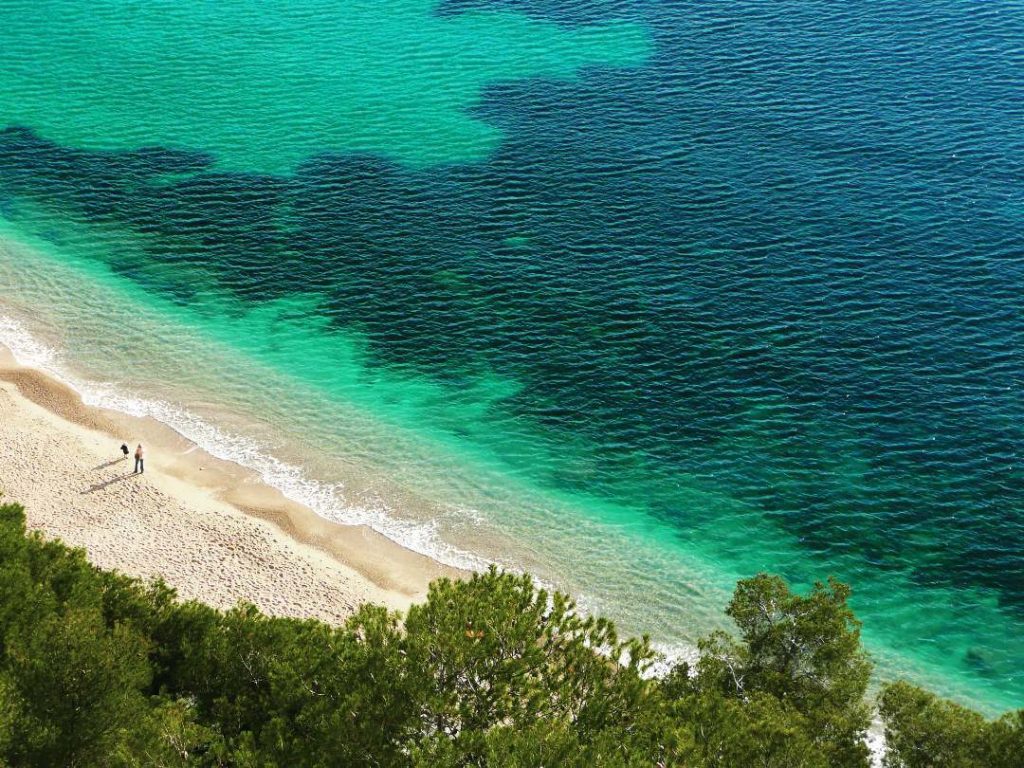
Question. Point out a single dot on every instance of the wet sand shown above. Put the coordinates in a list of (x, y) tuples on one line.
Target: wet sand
[(210, 528)]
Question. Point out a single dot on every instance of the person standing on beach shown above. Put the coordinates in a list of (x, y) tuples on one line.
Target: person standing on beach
[(140, 456), (124, 450)]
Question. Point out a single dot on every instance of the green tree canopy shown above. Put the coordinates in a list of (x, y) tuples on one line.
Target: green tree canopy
[(798, 665), (924, 731), (97, 669)]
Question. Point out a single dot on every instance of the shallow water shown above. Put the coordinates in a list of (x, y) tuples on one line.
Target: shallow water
[(642, 296)]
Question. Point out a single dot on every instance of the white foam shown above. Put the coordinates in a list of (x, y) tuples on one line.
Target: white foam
[(671, 656), (26, 349), (323, 498), (875, 741)]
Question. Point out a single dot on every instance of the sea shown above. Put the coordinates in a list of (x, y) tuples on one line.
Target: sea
[(640, 296)]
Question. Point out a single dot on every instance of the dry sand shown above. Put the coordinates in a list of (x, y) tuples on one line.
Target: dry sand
[(209, 528)]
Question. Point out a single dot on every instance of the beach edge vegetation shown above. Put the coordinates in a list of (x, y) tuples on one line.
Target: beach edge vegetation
[(99, 669)]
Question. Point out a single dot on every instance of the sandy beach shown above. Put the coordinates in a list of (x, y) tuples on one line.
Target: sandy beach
[(209, 528)]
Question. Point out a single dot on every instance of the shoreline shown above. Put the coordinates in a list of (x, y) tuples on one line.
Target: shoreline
[(351, 564), (361, 563), (209, 527)]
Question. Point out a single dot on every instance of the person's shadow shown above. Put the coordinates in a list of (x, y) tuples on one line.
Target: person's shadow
[(100, 486), (110, 463)]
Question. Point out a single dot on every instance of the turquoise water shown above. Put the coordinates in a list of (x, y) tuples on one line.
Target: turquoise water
[(263, 86), (644, 297)]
